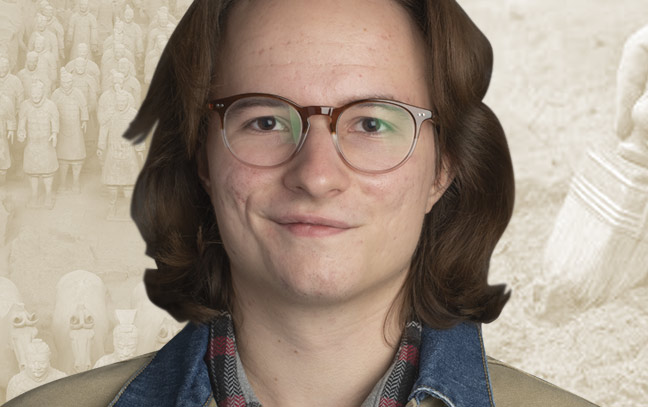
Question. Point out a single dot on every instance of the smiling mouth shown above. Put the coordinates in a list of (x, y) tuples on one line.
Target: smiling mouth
[(313, 226), (312, 230)]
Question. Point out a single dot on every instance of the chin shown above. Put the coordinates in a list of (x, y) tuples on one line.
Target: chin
[(324, 285)]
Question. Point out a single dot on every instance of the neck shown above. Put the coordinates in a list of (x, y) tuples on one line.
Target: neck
[(320, 356)]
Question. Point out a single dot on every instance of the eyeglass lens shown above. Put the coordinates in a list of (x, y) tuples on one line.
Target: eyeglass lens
[(371, 136)]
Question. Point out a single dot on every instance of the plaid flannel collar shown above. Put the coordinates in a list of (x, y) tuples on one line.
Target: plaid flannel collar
[(226, 376)]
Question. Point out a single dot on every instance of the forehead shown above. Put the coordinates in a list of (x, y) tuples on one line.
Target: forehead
[(301, 48)]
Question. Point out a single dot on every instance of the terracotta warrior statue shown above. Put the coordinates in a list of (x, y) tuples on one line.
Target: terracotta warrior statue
[(125, 338), (70, 148), (121, 158), (38, 123), (37, 372), (31, 73), (82, 29)]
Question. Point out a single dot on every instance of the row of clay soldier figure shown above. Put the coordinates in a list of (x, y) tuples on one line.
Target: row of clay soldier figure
[(79, 336), (78, 91)]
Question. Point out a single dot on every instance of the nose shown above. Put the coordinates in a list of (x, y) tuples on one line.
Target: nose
[(317, 169)]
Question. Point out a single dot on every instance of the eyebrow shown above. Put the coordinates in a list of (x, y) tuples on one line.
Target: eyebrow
[(367, 96), (260, 101)]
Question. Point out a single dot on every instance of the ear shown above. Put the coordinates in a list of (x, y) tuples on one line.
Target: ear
[(202, 167), (440, 184)]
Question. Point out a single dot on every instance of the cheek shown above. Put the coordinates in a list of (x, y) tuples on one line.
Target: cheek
[(227, 186), (229, 199), (235, 192), (231, 189), (406, 198)]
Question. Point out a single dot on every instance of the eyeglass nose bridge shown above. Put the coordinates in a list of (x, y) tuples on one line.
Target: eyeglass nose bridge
[(308, 111)]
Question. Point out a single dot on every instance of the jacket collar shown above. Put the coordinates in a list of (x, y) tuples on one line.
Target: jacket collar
[(452, 368)]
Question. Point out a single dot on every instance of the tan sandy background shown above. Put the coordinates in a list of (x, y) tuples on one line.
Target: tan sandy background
[(553, 89)]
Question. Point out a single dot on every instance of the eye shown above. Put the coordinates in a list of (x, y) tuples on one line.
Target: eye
[(267, 123), (370, 125)]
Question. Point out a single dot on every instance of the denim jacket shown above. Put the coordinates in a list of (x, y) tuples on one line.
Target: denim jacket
[(452, 368)]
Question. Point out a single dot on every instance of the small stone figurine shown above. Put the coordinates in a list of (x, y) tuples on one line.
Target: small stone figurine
[(122, 159), (38, 123), (37, 372), (70, 148), (124, 339)]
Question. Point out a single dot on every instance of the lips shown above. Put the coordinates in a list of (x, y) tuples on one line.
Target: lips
[(312, 226)]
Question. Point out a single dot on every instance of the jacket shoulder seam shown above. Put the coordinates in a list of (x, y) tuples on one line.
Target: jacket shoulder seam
[(130, 380)]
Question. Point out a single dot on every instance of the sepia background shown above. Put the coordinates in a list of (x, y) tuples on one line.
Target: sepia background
[(572, 254)]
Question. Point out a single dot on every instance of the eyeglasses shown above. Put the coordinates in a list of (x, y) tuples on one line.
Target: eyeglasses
[(370, 135)]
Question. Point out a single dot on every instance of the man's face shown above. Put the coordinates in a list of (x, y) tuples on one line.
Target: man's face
[(313, 230), (83, 6), (37, 366), (126, 344), (36, 93)]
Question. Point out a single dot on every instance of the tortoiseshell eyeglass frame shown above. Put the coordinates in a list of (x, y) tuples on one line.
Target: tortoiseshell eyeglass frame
[(418, 114)]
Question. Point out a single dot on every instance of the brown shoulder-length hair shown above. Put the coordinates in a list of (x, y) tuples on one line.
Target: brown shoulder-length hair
[(447, 283)]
